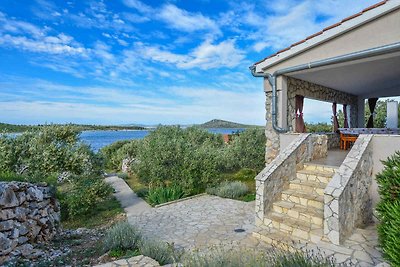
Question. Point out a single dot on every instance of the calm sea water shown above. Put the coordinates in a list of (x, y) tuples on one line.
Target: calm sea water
[(99, 139)]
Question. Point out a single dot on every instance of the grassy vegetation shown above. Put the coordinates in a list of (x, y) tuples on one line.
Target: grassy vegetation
[(102, 214), (14, 128)]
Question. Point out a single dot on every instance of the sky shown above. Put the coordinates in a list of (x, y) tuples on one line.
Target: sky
[(148, 62)]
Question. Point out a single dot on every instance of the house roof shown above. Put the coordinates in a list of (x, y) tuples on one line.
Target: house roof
[(331, 31)]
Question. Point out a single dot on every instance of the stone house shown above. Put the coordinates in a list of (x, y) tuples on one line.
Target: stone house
[(309, 190)]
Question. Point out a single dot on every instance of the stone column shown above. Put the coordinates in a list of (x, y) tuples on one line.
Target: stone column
[(272, 145)]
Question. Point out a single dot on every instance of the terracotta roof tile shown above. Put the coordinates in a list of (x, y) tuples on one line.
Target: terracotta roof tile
[(315, 34), (325, 29)]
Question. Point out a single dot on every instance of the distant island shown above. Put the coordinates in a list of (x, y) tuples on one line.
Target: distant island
[(14, 128), (216, 123)]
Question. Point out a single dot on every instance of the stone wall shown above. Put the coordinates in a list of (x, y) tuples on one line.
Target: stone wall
[(28, 214), (271, 181), (333, 140), (317, 92), (347, 200), (272, 145)]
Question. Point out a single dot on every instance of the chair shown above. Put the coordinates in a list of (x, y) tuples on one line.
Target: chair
[(346, 140)]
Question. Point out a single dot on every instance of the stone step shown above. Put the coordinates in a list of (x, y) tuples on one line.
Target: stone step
[(293, 227), (302, 198), (278, 239), (308, 186), (316, 176), (299, 212), (320, 168)]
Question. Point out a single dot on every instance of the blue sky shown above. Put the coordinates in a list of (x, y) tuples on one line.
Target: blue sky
[(131, 61)]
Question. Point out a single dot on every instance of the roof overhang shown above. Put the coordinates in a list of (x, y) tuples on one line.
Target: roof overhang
[(329, 33), (377, 76)]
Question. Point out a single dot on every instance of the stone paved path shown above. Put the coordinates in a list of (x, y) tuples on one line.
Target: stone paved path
[(132, 204), (206, 221), (200, 222)]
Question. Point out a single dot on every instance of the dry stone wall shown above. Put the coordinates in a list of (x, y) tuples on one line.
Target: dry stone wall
[(29, 213), (347, 200)]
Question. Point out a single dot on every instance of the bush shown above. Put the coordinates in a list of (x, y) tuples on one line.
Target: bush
[(114, 154), (247, 150), (229, 190), (142, 192), (121, 236), (109, 152), (220, 257), (49, 150), (321, 127), (388, 209), (86, 193), (189, 157), (50, 179), (163, 253), (161, 195)]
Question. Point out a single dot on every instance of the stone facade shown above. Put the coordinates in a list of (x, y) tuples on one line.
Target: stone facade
[(308, 90), (333, 140), (272, 145), (28, 214), (347, 200), (317, 92), (277, 175)]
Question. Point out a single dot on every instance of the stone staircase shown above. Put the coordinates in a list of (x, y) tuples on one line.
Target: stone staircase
[(299, 214)]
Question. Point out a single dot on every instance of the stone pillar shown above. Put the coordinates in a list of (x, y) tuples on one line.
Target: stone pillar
[(272, 145), (360, 113)]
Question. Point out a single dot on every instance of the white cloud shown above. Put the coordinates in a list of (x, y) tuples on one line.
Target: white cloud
[(206, 56), (26, 36), (183, 20)]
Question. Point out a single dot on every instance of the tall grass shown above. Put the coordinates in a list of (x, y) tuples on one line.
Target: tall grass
[(160, 195), (227, 189)]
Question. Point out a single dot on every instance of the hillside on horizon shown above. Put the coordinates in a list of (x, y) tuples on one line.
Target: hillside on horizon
[(217, 123)]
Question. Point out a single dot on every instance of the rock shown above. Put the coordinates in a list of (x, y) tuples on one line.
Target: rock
[(23, 229), (6, 214), (35, 194), (21, 197), (25, 249), (5, 244), (20, 213), (22, 240), (8, 198), (14, 233), (6, 225)]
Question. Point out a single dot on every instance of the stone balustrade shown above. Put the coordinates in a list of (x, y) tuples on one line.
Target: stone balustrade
[(29, 214), (272, 180), (347, 203)]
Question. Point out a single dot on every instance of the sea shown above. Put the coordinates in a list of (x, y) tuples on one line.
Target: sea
[(100, 139)]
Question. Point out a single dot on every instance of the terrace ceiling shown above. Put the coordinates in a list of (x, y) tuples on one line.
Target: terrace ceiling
[(373, 77)]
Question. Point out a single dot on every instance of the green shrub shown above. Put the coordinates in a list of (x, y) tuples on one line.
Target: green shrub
[(161, 195), (221, 257), (245, 174), (50, 179), (49, 150), (122, 236), (321, 127), (143, 192), (86, 193), (227, 189), (163, 253), (388, 209), (189, 157), (247, 150), (109, 154)]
